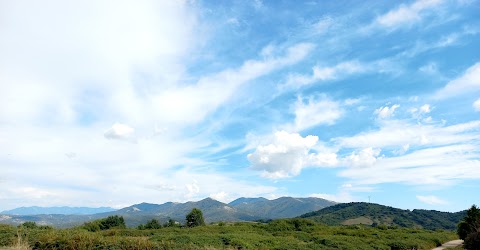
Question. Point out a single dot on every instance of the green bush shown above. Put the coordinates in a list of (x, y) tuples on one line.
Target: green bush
[(152, 224), (104, 224)]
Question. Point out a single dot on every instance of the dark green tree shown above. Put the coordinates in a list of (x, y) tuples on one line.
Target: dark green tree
[(195, 218), (469, 229), (112, 222)]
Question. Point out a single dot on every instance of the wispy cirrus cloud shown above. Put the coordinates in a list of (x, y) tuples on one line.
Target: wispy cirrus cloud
[(325, 74), (407, 14), (468, 82)]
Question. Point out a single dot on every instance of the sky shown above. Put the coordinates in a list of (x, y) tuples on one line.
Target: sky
[(113, 103)]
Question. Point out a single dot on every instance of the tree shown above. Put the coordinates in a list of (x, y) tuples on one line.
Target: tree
[(195, 218), (469, 229), (112, 222)]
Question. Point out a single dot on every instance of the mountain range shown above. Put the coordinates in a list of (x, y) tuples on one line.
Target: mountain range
[(242, 209), (57, 210), (252, 209)]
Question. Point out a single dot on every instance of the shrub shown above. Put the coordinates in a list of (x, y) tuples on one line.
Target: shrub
[(104, 224), (153, 224)]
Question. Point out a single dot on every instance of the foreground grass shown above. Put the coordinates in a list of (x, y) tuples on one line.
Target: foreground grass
[(280, 234)]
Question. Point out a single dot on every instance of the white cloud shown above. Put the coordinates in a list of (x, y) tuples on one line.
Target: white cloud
[(95, 50), (407, 14), (399, 133), (419, 113), (316, 112), (220, 196), (425, 109), (431, 200), (66, 82), (193, 189), (341, 197), (287, 154), (352, 101), (192, 103), (467, 83), (476, 105), (386, 112), (344, 193), (365, 158), (120, 132), (432, 154), (430, 68), (325, 73), (323, 25)]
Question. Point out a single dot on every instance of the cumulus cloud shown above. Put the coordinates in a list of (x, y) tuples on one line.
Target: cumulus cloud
[(476, 105), (220, 196), (386, 112), (467, 83), (316, 112), (431, 200), (288, 154), (407, 14), (120, 131), (365, 158)]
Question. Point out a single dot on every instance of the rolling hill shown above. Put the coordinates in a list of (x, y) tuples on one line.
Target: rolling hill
[(375, 214)]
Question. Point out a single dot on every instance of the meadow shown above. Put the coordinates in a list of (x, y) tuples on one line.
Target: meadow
[(277, 234)]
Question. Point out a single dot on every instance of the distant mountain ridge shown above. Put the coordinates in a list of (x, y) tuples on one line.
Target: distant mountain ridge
[(375, 214), (242, 209), (65, 210), (283, 207)]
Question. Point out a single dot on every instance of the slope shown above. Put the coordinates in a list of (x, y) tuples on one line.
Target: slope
[(375, 214)]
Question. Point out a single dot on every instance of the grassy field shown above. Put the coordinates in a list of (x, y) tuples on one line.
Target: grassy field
[(279, 234)]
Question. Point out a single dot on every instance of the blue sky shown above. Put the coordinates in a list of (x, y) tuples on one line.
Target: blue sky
[(111, 104)]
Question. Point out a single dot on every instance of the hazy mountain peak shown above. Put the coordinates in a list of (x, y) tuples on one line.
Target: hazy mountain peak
[(57, 210)]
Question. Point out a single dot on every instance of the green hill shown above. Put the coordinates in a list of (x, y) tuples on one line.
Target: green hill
[(375, 214)]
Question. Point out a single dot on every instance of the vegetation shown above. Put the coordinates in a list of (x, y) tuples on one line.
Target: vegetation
[(375, 214), (469, 228), (153, 224), (195, 218), (104, 224), (277, 234)]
